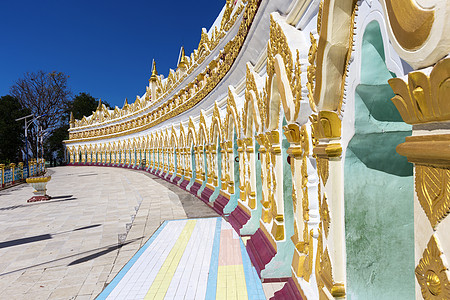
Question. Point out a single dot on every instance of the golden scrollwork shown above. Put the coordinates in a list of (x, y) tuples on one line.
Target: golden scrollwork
[(296, 84), (433, 192), (324, 274), (305, 199), (191, 95), (303, 256), (278, 45), (227, 14), (323, 168), (216, 123), (347, 58), (411, 24), (251, 87), (325, 215), (311, 71), (431, 273), (319, 17)]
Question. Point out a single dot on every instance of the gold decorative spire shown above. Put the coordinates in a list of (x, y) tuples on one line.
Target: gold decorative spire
[(99, 104), (183, 61), (72, 119), (154, 72), (204, 39), (126, 103)]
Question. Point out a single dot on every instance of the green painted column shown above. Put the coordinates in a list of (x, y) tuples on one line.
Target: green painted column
[(378, 188)]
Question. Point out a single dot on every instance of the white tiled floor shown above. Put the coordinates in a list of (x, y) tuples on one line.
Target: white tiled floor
[(141, 275), (191, 271), (190, 277)]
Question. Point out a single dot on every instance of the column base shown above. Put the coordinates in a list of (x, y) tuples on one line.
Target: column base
[(39, 198)]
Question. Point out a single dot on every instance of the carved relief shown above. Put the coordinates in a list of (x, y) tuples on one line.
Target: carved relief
[(418, 30), (424, 98), (323, 168), (431, 273), (433, 192), (336, 37)]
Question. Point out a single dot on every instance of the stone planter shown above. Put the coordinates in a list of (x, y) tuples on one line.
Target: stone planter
[(40, 188)]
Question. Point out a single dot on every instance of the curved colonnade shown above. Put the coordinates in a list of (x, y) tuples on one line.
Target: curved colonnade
[(281, 120)]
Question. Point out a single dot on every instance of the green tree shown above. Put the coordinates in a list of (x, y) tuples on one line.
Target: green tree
[(81, 105), (11, 131)]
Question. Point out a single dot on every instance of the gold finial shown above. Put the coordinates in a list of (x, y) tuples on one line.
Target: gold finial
[(183, 61), (99, 103), (72, 119), (126, 103), (154, 72), (203, 38)]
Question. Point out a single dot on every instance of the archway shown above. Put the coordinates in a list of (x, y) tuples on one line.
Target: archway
[(378, 186)]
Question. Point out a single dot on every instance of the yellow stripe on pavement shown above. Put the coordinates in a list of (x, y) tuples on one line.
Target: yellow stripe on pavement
[(160, 285)]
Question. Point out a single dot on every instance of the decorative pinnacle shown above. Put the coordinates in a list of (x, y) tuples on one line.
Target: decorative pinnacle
[(126, 103), (99, 104), (154, 72), (72, 119), (183, 61)]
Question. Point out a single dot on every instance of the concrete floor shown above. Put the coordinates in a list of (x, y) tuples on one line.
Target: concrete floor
[(73, 245)]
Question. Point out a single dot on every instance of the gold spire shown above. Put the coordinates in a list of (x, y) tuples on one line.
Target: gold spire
[(99, 104), (72, 119), (183, 61), (126, 103), (154, 72)]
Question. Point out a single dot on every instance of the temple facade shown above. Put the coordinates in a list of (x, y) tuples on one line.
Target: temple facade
[(319, 129)]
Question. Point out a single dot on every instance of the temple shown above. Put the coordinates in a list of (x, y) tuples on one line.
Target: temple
[(319, 130)]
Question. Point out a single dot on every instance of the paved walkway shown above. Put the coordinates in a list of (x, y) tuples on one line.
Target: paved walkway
[(189, 259), (73, 245)]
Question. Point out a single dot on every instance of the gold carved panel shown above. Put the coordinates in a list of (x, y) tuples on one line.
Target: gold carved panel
[(431, 273), (424, 98), (433, 192)]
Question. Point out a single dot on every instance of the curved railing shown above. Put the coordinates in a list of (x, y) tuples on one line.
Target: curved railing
[(278, 134), (13, 174)]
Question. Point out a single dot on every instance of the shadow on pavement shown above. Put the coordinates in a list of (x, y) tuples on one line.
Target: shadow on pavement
[(62, 197), (74, 255), (26, 240), (41, 237), (36, 203), (98, 254)]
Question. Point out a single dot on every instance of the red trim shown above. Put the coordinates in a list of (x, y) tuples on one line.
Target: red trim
[(288, 292), (238, 218), (260, 250)]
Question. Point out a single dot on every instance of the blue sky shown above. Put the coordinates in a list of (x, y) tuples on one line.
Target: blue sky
[(106, 47)]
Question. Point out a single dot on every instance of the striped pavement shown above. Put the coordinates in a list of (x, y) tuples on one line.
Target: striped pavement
[(188, 259)]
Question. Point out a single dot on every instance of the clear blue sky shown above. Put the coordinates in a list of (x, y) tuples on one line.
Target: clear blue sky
[(106, 47)]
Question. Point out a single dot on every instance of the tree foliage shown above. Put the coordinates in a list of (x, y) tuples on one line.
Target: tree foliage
[(54, 144), (46, 95), (11, 131), (84, 105), (81, 105)]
